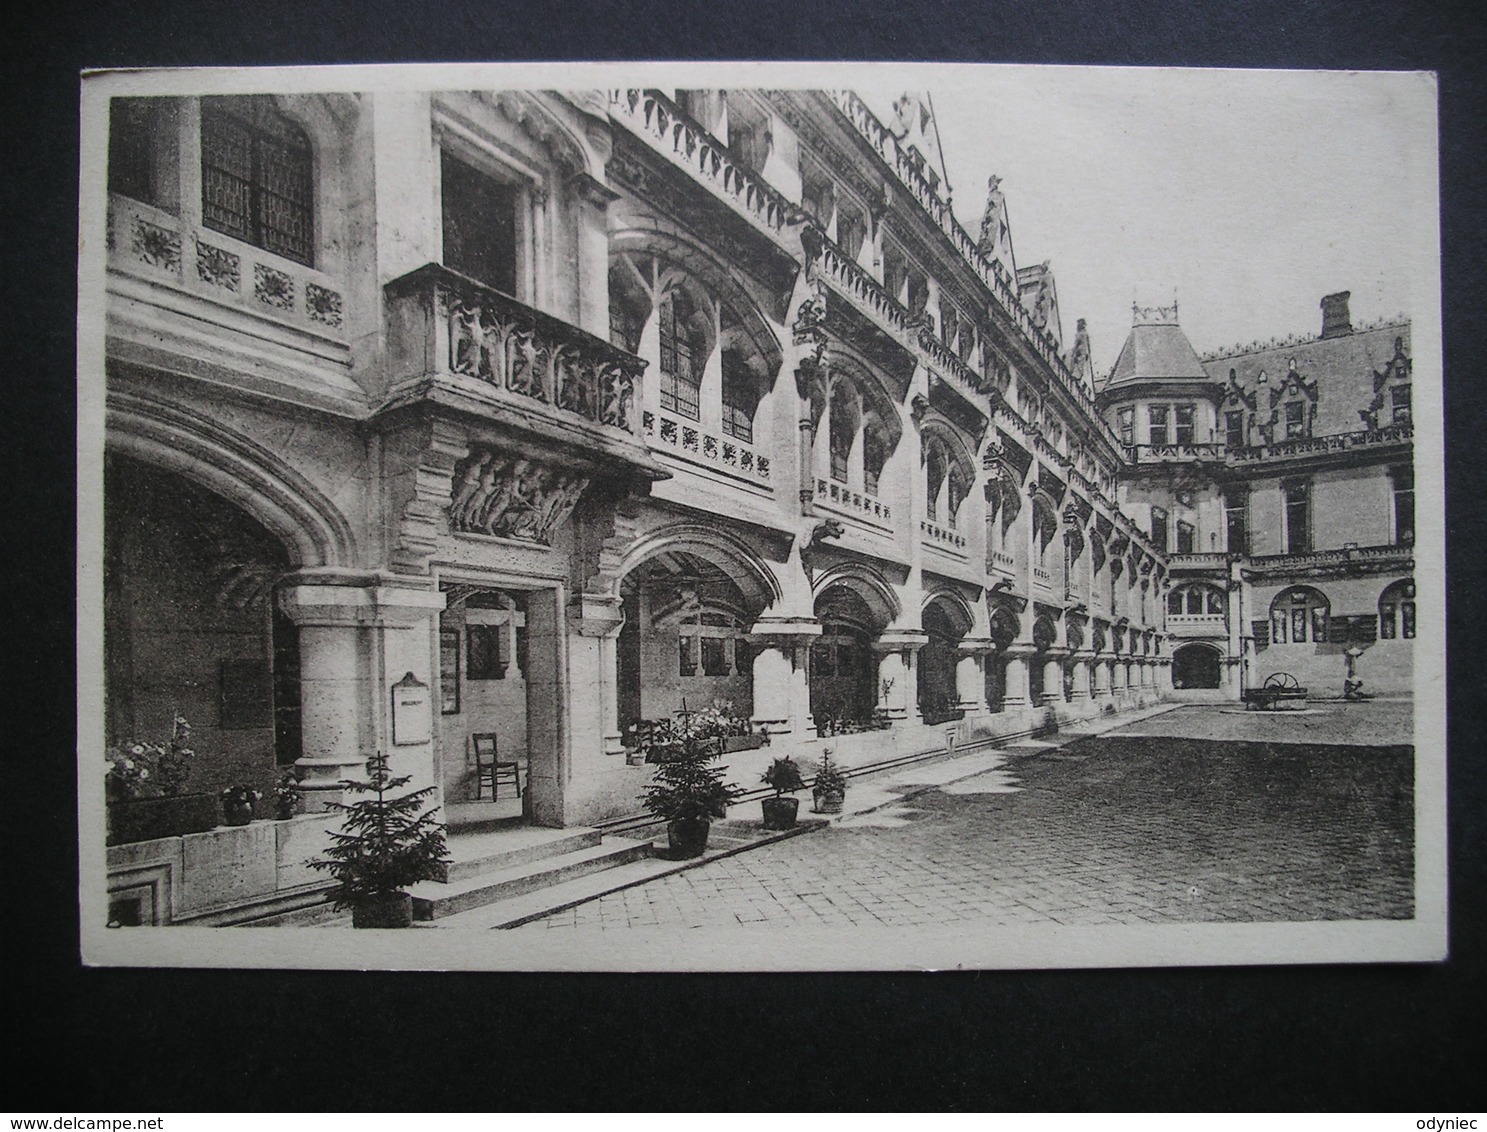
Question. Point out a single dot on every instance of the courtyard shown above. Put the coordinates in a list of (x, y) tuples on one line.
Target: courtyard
[(1199, 814)]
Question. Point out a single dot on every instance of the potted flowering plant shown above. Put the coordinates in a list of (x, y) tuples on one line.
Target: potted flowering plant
[(384, 845), (145, 788), (784, 776), (287, 794), (829, 790), (687, 793), (239, 803)]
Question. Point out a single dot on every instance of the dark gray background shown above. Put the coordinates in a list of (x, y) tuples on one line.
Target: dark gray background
[(1390, 1038)]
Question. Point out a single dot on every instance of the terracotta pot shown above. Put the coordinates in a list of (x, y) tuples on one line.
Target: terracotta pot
[(687, 837), (828, 803), (779, 813), (393, 910)]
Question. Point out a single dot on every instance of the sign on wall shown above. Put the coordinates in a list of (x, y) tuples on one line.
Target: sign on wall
[(411, 722)]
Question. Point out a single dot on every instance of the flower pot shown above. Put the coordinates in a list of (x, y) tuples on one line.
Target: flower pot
[(392, 910), (237, 813), (828, 802), (779, 813), (687, 837), (145, 819)]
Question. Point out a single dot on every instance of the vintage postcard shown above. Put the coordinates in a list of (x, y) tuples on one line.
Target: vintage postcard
[(760, 517)]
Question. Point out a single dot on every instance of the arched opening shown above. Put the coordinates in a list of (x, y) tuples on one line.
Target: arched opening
[(1003, 633), (1397, 611), (1197, 601), (1299, 616), (191, 627), (1045, 636), (684, 640), (945, 624), (843, 668), (1196, 666)]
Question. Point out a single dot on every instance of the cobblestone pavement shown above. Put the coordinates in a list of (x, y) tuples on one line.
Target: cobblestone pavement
[(1120, 828)]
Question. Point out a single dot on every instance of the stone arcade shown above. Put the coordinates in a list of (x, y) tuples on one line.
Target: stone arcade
[(577, 406)]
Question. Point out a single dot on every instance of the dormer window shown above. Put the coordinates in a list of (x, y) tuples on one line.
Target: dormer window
[(257, 182), (1234, 429), (1399, 397), (1295, 420)]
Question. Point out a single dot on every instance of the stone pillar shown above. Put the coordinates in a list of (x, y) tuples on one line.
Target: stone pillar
[(1102, 665), (1083, 676), (782, 690), (897, 694), (595, 621), (1019, 687), (1053, 676), (970, 675), (357, 639)]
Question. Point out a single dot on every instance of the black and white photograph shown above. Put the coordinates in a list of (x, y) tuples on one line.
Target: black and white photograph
[(650, 517)]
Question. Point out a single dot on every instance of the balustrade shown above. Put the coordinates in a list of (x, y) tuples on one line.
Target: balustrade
[(155, 244), (1315, 445), (854, 503), (991, 273), (689, 440), (442, 323), (842, 271), (669, 129)]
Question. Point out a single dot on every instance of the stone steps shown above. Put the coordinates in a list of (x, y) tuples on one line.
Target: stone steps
[(433, 900), (475, 853)]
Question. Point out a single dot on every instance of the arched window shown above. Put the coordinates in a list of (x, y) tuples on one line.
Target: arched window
[(1397, 611), (740, 397), (682, 355), (1195, 601), (257, 178), (934, 478), (874, 456), (1299, 615), (843, 429)]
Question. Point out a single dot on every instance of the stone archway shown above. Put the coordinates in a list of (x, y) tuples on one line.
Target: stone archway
[(1196, 666), (191, 627), (946, 623)]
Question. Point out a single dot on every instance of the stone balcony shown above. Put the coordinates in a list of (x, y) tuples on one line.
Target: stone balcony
[(456, 342), (1205, 561), (697, 448), (1202, 625), (1166, 453), (684, 143), (1302, 447), (1348, 560), (854, 283), (867, 511)]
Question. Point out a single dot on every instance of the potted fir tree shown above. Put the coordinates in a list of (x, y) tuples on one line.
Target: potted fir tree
[(384, 845), (784, 776), (687, 793), (830, 788)]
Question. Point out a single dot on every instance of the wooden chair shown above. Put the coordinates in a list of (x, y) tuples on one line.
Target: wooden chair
[(490, 768)]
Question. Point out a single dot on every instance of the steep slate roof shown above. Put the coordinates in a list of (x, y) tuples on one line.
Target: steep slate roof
[(1157, 351), (1343, 368)]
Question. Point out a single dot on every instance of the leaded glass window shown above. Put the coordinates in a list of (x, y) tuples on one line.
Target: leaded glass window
[(257, 179)]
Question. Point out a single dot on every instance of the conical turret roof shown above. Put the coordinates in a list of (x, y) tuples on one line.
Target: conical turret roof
[(1156, 350)]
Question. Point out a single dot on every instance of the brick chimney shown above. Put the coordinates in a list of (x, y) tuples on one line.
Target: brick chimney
[(1336, 321)]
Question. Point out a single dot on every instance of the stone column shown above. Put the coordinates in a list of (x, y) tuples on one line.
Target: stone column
[(1053, 676), (1102, 667), (1019, 688), (970, 675), (782, 690), (358, 637), (1083, 676), (897, 694), (595, 621)]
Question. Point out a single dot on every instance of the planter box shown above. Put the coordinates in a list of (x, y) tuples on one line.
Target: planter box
[(742, 743), (146, 819)]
